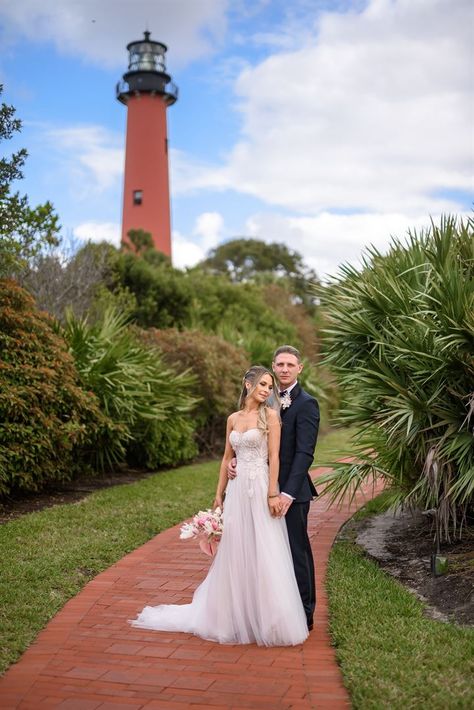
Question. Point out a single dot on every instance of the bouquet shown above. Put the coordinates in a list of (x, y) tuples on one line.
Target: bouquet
[(206, 525)]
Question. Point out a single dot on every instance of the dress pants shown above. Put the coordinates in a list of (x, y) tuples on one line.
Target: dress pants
[(297, 525)]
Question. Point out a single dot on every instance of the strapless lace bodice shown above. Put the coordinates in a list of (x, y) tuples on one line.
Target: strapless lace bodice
[(250, 445), (251, 449)]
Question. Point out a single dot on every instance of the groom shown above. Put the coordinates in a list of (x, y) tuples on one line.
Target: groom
[(299, 432)]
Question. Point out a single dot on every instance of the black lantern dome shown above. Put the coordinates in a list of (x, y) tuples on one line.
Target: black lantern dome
[(147, 71)]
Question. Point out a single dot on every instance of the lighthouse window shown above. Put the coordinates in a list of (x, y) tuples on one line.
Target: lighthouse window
[(137, 197)]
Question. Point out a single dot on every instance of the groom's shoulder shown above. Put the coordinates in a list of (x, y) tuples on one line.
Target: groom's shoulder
[(307, 397), (307, 400)]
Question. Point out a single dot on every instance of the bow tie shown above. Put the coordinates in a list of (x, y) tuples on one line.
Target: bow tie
[(283, 392)]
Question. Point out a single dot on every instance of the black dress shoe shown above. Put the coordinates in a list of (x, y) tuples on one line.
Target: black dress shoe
[(310, 625)]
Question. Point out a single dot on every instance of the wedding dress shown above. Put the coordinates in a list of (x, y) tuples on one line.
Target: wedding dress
[(250, 593)]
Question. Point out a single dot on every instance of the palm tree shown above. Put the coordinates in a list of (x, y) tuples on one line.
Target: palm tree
[(400, 339)]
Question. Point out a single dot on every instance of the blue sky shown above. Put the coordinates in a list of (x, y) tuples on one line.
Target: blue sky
[(325, 125)]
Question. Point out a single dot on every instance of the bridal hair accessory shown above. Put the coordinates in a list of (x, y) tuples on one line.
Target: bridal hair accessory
[(206, 525), (285, 400)]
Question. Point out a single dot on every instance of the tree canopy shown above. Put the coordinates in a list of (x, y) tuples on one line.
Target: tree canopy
[(24, 230), (242, 259), (254, 260)]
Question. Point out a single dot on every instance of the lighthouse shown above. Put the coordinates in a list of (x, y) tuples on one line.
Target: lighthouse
[(147, 90)]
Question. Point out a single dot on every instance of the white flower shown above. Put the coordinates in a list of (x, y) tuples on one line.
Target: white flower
[(285, 401), (187, 531), (207, 523)]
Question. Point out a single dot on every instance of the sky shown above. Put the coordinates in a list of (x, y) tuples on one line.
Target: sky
[(327, 125)]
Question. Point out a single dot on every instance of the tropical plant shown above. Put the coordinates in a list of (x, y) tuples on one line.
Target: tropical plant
[(136, 390), (400, 339), (47, 421)]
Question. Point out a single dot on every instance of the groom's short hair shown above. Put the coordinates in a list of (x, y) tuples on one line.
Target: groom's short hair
[(287, 349)]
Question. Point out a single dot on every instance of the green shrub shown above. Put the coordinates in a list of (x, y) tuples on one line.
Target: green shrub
[(218, 367), (164, 442), (162, 295), (218, 301), (401, 341), (46, 419), (169, 298), (149, 402)]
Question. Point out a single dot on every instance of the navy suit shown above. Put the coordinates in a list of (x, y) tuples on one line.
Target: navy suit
[(299, 432)]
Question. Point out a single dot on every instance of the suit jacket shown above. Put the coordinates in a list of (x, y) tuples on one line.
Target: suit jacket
[(299, 432)]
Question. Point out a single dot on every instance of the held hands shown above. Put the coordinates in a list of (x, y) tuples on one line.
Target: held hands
[(274, 505), (285, 503), (279, 505)]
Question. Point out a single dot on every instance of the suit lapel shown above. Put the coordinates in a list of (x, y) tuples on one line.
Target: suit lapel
[(293, 394)]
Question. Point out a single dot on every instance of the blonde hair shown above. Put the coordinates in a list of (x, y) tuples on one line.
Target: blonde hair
[(253, 376)]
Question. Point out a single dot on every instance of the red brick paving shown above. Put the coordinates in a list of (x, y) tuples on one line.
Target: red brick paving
[(89, 658)]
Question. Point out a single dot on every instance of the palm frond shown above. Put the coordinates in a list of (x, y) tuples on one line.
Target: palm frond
[(399, 338)]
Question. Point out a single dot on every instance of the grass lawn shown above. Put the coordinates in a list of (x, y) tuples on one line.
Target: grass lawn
[(391, 655), (47, 557)]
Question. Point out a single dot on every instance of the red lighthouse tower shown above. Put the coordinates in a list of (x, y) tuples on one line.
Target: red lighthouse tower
[(147, 90)]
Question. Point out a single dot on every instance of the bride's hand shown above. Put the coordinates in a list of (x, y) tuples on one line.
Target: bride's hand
[(218, 502), (274, 506)]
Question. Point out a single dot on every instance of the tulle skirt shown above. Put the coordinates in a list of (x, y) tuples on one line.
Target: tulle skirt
[(250, 593)]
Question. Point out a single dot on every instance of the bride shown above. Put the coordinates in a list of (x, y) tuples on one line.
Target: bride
[(250, 594)]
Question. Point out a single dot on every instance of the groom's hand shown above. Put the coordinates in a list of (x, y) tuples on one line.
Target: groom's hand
[(285, 502), (232, 468)]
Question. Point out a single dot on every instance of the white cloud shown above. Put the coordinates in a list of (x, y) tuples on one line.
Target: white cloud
[(356, 134), (99, 31), (208, 227), (370, 116), (206, 233), (91, 157), (373, 115), (98, 232), (326, 241), (188, 175), (185, 251)]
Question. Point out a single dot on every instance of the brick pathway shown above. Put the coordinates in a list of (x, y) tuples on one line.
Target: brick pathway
[(89, 658)]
